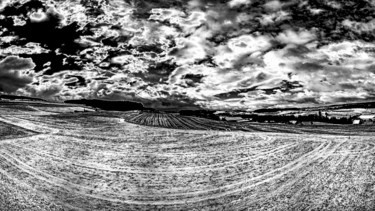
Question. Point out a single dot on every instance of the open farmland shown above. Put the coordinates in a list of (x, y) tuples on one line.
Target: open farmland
[(176, 121), (92, 162)]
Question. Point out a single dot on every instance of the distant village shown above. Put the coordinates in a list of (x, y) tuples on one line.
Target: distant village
[(296, 118)]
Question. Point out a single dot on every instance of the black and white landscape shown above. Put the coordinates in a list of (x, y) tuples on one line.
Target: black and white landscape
[(187, 105)]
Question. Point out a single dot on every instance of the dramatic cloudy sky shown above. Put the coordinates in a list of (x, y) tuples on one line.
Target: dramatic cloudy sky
[(218, 54)]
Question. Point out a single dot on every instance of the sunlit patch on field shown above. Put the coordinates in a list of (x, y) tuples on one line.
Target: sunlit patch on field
[(92, 162)]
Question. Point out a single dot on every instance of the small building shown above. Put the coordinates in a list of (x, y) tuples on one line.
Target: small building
[(366, 119), (121, 120), (356, 122), (293, 122), (222, 118)]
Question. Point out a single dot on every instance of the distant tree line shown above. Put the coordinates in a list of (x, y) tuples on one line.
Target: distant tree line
[(273, 118), (200, 113), (14, 97), (301, 118), (109, 105)]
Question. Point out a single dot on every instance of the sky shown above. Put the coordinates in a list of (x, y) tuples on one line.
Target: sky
[(210, 54)]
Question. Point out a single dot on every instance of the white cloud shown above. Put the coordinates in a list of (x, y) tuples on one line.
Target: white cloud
[(39, 16), (301, 37), (360, 26), (273, 5), (162, 14), (226, 56), (191, 49), (237, 3), (271, 18)]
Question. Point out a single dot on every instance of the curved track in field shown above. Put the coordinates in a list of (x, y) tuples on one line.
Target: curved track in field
[(96, 163)]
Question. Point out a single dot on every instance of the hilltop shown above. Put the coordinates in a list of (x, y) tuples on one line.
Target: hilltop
[(109, 105)]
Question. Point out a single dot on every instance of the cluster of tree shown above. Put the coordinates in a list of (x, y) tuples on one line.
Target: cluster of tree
[(328, 107), (109, 105), (200, 113)]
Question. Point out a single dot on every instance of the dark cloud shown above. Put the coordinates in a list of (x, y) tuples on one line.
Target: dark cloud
[(48, 31), (158, 72), (172, 103), (52, 62), (284, 86), (196, 78), (191, 80), (345, 86), (143, 7), (247, 60), (112, 41), (308, 66), (235, 93), (93, 7), (304, 100), (297, 51), (14, 74), (371, 68), (330, 17)]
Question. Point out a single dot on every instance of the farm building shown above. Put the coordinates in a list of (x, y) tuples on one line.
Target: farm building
[(367, 117), (356, 122)]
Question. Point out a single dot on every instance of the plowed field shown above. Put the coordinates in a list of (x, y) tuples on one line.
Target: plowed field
[(90, 162)]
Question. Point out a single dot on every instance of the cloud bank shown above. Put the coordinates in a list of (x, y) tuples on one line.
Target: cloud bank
[(234, 54)]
